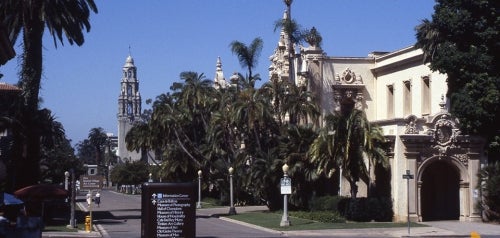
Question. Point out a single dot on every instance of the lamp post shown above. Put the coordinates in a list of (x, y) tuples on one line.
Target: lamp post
[(199, 189), (232, 209), (72, 221), (66, 178), (150, 178), (286, 185)]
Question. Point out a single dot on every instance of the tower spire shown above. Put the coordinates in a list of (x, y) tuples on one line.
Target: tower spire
[(129, 106), (219, 80)]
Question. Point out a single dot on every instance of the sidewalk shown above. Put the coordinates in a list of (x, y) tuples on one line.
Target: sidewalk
[(434, 229)]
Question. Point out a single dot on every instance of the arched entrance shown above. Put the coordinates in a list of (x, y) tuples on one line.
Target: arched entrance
[(440, 191)]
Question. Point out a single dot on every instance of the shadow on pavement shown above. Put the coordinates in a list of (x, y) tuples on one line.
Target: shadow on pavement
[(105, 217), (208, 216)]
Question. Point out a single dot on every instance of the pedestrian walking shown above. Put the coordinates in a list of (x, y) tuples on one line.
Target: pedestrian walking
[(89, 199), (98, 198)]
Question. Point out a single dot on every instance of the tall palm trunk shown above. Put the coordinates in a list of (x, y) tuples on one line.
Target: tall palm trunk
[(30, 84)]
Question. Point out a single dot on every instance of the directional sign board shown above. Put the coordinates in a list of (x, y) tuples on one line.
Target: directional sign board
[(91, 182), (286, 185), (168, 210), (408, 175)]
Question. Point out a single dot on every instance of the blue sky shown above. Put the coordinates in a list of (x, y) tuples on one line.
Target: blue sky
[(81, 84)]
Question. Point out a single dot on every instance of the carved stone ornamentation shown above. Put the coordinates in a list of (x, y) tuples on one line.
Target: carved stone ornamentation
[(348, 76), (444, 135), (336, 100), (358, 102), (464, 158), (411, 125), (349, 94)]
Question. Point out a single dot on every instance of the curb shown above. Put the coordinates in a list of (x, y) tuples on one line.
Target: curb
[(251, 225)]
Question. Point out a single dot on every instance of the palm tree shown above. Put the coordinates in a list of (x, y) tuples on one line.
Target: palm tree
[(344, 143), (139, 139), (98, 139), (248, 56), (428, 39), (299, 105), (68, 18), (250, 113), (63, 19), (294, 144)]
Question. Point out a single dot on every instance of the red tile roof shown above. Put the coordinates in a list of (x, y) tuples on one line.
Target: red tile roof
[(8, 87)]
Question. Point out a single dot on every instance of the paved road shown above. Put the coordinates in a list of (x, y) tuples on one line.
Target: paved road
[(119, 216)]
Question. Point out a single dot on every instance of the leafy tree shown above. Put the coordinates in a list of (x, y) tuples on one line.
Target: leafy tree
[(138, 138), (31, 18), (57, 160), (131, 173), (489, 181), (86, 152), (294, 145), (462, 41)]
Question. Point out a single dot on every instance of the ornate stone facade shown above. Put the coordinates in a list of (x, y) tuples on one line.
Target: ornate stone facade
[(404, 97), (129, 108)]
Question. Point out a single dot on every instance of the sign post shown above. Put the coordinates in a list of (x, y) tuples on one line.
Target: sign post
[(286, 188), (91, 182), (408, 176), (168, 210)]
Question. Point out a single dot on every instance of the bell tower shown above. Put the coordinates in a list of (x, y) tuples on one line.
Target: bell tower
[(129, 107)]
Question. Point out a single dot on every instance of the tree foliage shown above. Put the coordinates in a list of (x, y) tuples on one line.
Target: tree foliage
[(63, 20), (248, 55), (489, 181), (462, 41), (58, 159), (350, 143), (131, 173)]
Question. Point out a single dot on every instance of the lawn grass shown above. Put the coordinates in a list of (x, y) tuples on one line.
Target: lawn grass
[(272, 220), (209, 202)]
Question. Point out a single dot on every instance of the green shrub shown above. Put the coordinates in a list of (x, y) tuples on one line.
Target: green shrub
[(366, 209), (320, 216), (324, 203), (489, 180)]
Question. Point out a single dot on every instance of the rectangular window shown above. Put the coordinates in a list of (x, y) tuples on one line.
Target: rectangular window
[(407, 98), (390, 101), (426, 95)]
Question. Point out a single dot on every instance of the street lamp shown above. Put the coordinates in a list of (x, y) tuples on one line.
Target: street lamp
[(66, 177), (232, 210), (199, 189), (150, 178), (286, 185), (72, 220)]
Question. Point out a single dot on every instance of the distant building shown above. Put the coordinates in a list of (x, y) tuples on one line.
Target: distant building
[(129, 112), (113, 147)]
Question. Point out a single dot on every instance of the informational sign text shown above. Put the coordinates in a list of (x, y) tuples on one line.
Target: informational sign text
[(91, 182), (168, 210), (286, 185)]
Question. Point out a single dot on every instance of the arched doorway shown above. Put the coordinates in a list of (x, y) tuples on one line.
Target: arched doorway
[(440, 197)]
